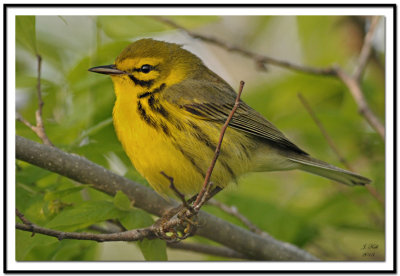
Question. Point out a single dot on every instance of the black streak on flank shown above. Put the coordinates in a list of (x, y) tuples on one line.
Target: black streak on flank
[(201, 136), (165, 128), (244, 149), (177, 124), (156, 90), (159, 89), (144, 95), (155, 105), (229, 169), (141, 83), (149, 120), (190, 158)]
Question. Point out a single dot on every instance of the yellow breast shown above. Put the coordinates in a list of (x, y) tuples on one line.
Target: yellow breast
[(159, 137)]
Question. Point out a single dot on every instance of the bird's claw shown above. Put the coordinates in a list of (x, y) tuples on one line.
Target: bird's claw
[(176, 225)]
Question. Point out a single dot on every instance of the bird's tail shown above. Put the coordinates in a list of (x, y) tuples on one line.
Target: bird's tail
[(323, 169)]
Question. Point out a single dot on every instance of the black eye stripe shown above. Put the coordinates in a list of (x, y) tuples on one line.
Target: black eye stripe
[(142, 83)]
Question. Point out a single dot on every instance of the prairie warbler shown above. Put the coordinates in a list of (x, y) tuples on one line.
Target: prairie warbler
[(168, 115)]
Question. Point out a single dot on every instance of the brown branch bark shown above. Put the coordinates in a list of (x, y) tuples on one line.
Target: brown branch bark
[(132, 235), (82, 170), (220, 251), (363, 107)]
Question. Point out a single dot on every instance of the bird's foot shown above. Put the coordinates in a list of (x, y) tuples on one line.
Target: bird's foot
[(177, 224)]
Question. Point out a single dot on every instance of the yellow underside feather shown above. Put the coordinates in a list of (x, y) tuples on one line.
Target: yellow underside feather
[(179, 154)]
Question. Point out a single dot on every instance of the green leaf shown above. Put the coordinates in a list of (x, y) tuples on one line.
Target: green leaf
[(24, 243), (126, 27), (31, 174), (25, 30), (136, 219), (153, 250), (32, 208), (23, 196), (86, 214), (122, 202), (74, 250), (60, 194)]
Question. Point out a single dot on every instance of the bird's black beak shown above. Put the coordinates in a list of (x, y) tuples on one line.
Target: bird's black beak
[(107, 70)]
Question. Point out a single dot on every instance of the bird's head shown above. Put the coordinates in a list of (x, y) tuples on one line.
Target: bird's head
[(148, 63)]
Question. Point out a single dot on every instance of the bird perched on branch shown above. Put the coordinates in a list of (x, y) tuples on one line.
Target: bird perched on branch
[(168, 115)]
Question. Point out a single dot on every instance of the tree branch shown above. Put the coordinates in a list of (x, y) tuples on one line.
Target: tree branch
[(132, 235), (352, 82), (183, 245), (38, 129), (358, 96), (366, 50), (258, 58), (82, 170)]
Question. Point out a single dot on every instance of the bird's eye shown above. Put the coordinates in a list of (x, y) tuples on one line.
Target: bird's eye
[(146, 68)]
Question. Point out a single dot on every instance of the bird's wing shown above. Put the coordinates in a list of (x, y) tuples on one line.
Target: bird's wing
[(214, 101)]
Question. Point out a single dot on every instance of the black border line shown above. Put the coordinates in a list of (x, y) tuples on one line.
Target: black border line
[(5, 138), (199, 5), (395, 138), (218, 5)]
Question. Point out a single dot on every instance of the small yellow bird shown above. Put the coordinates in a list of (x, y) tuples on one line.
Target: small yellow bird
[(168, 115)]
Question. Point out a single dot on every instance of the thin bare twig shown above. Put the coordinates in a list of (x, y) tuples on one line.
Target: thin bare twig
[(366, 50), (20, 118), (370, 188), (258, 58), (363, 108), (131, 235), (206, 195), (351, 82), (374, 192), (206, 183), (39, 128), (335, 149), (22, 217), (39, 120), (176, 191), (221, 251), (232, 210), (324, 132)]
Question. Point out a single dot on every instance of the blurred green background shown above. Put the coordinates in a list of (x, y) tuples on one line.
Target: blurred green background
[(331, 221)]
